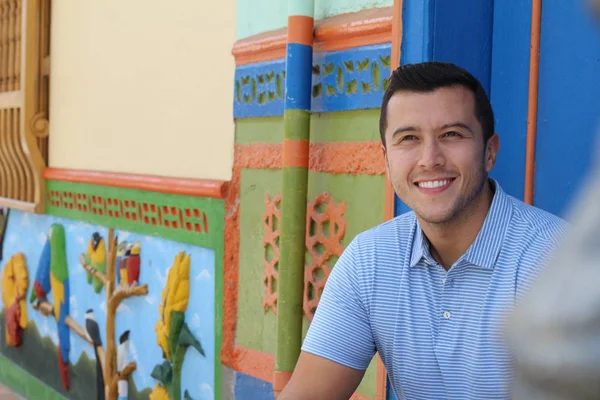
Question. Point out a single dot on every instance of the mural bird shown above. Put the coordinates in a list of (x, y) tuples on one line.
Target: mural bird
[(52, 276), (122, 360), (133, 264), (121, 263), (93, 331), (96, 258)]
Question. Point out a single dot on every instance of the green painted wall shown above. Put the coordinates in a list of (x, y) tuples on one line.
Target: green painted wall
[(256, 328), (344, 126), (257, 16)]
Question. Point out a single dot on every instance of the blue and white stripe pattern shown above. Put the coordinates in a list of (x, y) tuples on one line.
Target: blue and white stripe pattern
[(439, 333)]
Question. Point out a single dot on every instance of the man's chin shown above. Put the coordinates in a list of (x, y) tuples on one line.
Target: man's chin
[(432, 217)]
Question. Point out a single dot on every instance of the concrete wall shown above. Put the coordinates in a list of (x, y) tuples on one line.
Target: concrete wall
[(257, 16), (143, 86)]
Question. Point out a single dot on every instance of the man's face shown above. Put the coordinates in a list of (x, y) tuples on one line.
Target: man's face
[(435, 155)]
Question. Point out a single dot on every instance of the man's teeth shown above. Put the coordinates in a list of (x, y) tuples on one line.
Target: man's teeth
[(433, 184)]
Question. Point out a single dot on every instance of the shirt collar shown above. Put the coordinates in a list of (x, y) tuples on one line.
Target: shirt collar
[(484, 251)]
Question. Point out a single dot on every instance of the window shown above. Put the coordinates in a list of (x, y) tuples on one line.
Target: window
[(24, 86)]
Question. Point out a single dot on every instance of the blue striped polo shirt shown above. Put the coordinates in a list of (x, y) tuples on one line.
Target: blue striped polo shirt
[(439, 333)]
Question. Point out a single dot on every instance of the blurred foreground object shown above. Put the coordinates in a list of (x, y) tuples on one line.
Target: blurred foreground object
[(555, 330)]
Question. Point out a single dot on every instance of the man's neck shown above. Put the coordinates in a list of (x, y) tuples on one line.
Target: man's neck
[(448, 242)]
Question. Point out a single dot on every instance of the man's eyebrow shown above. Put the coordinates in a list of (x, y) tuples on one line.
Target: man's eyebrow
[(457, 125)]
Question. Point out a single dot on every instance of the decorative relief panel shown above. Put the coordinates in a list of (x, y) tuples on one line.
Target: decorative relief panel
[(194, 220), (325, 229), (341, 80)]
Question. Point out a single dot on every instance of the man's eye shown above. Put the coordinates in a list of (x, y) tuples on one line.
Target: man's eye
[(452, 134), (408, 137)]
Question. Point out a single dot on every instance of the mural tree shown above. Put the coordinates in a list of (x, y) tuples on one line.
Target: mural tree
[(172, 332), (114, 375)]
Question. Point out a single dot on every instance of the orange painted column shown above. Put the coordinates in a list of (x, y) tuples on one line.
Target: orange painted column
[(532, 107)]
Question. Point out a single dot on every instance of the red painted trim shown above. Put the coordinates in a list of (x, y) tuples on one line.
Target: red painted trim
[(300, 30), (255, 363), (345, 31), (189, 187), (362, 28), (295, 153), (532, 106)]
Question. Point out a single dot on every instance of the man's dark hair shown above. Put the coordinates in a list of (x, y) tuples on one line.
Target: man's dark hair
[(429, 76)]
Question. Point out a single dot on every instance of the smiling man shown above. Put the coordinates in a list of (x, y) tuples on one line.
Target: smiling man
[(430, 290)]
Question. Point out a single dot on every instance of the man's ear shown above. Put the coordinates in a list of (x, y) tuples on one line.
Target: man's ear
[(387, 164), (491, 150)]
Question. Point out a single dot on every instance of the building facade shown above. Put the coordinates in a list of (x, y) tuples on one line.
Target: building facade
[(177, 182)]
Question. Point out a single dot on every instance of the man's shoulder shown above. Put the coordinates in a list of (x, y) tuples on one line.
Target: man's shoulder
[(532, 220), (393, 234)]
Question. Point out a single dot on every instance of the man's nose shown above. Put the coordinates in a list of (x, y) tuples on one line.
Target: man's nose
[(432, 155)]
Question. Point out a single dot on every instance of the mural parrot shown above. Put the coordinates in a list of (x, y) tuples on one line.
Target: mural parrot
[(121, 263), (133, 264), (52, 276), (96, 258)]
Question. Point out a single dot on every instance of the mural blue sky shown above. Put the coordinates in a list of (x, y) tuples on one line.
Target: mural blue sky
[(27, 233)]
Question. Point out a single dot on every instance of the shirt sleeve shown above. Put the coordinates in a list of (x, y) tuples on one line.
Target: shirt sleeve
[(340, 330)]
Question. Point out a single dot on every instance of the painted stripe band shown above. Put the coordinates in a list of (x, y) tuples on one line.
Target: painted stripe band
[(281, 379), (300, 30), (295, 153)]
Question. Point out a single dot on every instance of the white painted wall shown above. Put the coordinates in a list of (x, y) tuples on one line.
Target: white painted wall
[(143, 86)]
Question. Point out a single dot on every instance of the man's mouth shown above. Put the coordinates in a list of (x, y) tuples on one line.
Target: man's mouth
[(434, 184)]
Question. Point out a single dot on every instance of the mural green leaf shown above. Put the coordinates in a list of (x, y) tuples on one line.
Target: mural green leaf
[(376, 75), (340, 79), (349, 66), (163, 373), (362, 65), (351, 87), (317, 90), (279, 86)]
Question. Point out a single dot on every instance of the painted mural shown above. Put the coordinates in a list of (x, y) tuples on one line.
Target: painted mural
[(84, 306)]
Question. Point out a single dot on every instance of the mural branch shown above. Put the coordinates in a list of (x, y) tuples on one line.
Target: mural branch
[(46, 309), (114, 374)]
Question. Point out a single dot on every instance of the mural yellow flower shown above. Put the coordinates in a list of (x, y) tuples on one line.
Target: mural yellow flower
[(159, 393), (172, 333), (15, 281), (175, 297)]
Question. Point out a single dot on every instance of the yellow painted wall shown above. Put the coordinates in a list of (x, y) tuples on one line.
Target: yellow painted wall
[(143, 86)]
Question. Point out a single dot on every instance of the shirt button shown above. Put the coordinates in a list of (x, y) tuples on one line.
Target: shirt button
[(447, 314), (444, 281)]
